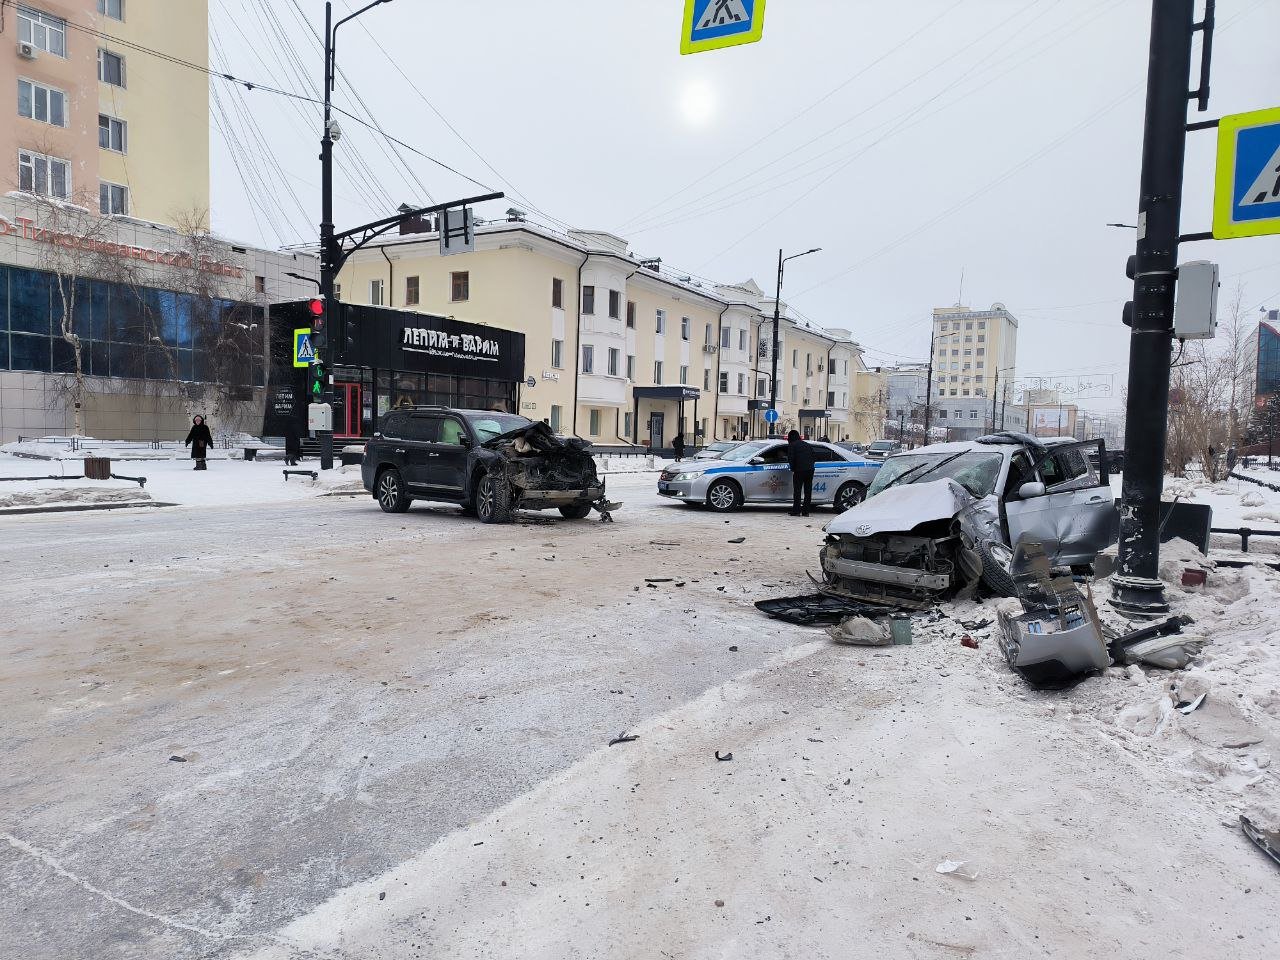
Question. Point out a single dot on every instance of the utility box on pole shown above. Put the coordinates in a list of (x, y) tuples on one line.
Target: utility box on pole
[(1195, 315)]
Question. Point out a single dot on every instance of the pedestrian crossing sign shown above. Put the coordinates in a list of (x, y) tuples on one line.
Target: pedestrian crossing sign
[(712, 24), (1246, 200), (304, 353)]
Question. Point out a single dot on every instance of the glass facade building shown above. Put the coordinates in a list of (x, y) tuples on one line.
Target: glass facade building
[(128, 332), (1268, 382)]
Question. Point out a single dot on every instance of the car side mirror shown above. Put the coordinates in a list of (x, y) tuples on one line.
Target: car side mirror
[(465, 441), (756, 461), (1029, 490)]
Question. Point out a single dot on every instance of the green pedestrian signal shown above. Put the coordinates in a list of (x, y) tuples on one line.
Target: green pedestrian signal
[(317, 378)]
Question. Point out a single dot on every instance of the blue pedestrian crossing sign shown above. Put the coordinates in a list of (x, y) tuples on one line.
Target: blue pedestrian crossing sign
[(713, 24), (1246, 200), (771, 416), (304, 351)]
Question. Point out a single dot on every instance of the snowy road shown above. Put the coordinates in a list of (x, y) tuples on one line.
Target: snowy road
[(393, 736)]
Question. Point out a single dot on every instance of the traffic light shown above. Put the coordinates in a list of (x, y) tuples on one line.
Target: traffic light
[(1130, 271), (316, 307), (318, 380)]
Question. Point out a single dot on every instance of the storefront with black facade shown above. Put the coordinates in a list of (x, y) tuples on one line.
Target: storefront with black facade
[(387, 359)]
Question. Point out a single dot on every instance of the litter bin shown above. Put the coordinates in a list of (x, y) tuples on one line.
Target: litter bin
[(250, 453), (97, 468)]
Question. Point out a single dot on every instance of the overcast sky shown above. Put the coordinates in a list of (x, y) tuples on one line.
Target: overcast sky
[(911, 141)]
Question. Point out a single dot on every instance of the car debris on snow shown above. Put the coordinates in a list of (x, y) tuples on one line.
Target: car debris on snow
[(860, 631), (1266, 840), (623, 737), (957, 868)]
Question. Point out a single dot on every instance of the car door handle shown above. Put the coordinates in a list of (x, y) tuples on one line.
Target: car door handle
[(433, 454), (1096, 499), (399, 449)]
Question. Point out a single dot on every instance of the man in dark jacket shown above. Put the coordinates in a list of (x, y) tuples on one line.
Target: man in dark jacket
[(292, 444), (800, 457), (677, 444)]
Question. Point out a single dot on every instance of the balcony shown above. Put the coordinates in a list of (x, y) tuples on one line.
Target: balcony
[(598, 390)]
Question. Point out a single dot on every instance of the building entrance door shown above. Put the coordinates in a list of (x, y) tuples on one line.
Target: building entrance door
[(657, 422), (348, 410)]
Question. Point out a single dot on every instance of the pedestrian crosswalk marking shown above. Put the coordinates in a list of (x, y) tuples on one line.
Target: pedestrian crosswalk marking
[(723, 12), (1266, 187)]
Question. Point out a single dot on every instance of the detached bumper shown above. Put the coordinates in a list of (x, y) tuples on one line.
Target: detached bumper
[(884, 573), (541, 499)]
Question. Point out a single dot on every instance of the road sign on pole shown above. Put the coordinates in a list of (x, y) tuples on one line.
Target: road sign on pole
[(772, 416), (713, 24), (1246, 201), (304, 351)]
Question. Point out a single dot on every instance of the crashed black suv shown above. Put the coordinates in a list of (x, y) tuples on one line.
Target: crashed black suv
[(492, 464)]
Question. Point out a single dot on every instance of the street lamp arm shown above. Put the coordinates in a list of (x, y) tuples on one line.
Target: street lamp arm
[(331, 68)]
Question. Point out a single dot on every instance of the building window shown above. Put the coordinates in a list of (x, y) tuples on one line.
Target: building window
[(412, 290), (942, 414), (46, 176), (706, 379), (556, 417), (684, 328), (969, 325), (113, 199), (795, 359), (657, 372), (742, 340), (631, 314), (38, 102), (631, 366), (111, 133), (588, 358), (742, 384), (460, 286), (684, 375), (593, 422), (626, 424), (831, 400), (706, 338), (557, 293), (973, 414), (259, 284), (614, 353), (726, 338), (111, 8), (761, 387), (955, 326), (981, 364), (588, 301), (337, 291), (615, 305), (793, 393), (661, 321), (111, 68), (43, 31), (982, 324), (557, 354), (375, 292), (982, 338)]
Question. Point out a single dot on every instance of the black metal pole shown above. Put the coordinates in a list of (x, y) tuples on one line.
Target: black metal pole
[(773, 377), (328, 254), (928, 384), (1137, 587)]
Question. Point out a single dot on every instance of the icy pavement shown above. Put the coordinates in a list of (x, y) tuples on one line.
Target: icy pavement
[(391, 739)]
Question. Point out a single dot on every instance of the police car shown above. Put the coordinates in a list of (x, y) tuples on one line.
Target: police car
[(757, 472)]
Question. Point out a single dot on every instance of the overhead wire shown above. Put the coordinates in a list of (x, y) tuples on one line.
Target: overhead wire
[(793, 118)]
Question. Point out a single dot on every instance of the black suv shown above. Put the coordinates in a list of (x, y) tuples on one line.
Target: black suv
[(491, 463)]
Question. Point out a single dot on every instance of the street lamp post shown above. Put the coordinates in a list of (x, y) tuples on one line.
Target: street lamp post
[(329, 252), (777, 304)]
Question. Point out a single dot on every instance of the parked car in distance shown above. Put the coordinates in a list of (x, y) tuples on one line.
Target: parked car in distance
[(757, 472), (851, 446), (492, 464), (882, 449), (940, 517), (713, 450)]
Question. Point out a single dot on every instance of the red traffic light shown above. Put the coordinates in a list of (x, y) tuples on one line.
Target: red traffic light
[(316, 306)]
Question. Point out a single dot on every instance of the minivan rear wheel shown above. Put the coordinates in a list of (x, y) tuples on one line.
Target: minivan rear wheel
[(578, 511), (392, 495)]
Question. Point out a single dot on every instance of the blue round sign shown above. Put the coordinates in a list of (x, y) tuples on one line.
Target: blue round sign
[(771, 416)]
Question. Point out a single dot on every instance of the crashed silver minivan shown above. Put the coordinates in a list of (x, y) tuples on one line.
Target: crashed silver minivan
[(940, 518)]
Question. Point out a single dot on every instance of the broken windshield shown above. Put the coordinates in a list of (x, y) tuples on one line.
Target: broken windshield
[(977, 472)]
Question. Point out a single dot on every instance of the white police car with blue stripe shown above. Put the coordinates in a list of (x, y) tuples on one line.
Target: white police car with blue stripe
[(756, 471)]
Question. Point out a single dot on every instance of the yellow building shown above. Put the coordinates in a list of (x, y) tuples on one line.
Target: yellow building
[(975, 351), (620, 350), (99, 122)]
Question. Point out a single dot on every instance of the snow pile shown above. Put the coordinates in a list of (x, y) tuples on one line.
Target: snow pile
[(28, 495)]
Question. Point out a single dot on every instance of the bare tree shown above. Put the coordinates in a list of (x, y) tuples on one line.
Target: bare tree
[(77, 247)]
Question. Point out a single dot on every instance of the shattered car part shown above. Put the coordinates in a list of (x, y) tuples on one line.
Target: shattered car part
[(1121, 645), (816, 610), (860, 632), (939, 520), (1058, 639), (1268, 841)]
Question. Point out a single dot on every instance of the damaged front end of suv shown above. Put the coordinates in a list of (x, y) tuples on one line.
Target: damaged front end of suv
[(530, 468)]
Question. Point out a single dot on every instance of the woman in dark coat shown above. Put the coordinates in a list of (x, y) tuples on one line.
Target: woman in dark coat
[(199, 440), (292, 444)]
